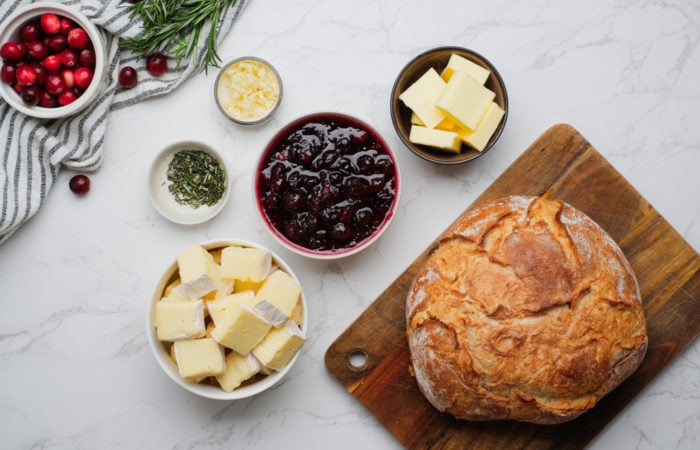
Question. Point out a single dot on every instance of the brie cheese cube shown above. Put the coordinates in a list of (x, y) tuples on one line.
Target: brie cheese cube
[(238, 369), (200, 286), (281, 290), (478, 138), (178, 320), (247, 285), (422, 95), (220, 307), (241, 330), (244, 263), (461, 64), (445, 140), (199, 358), (196, 261), (464, 100), (279, 346), (271, 313)]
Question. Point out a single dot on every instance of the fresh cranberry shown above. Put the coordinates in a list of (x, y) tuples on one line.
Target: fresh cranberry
[(79, 184), (69, 58), (128, 77), (12, 51), (47, 100), (54, 84), (86, 57), (157, 64), (67, 97), (30, 95), (26, 75), (83, 77), (78, 39), (57, 42), (52, 63), (40, 72), (68, 77), (50, 23), (66, 25), (7, 73), (30, 32), (37, 50)]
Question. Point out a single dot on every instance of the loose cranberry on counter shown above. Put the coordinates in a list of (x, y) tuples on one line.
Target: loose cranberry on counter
[(128, 77), (157, 64), (79, 184)]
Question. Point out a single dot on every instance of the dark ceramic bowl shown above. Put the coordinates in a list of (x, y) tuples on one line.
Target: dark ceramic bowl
[(437, 58)]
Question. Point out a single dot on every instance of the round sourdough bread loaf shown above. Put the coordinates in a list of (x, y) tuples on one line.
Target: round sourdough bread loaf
[(526, 310)]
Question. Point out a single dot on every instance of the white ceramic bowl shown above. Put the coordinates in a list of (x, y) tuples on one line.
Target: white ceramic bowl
[(259, 191), (162, 353), (163, 201), (9, 31)]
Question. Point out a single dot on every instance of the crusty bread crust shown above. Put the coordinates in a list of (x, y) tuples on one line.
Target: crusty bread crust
[(527, 310)]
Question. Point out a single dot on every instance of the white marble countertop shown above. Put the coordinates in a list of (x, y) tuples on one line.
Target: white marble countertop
[(75, 367)]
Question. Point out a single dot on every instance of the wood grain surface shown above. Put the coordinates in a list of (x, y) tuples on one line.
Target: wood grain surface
[(560, 164)]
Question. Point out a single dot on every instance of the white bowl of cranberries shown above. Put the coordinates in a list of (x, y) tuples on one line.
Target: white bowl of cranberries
[(53, 60), (327, 185)]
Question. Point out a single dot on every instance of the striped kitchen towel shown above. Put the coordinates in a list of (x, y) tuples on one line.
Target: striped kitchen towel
[(35, 150)]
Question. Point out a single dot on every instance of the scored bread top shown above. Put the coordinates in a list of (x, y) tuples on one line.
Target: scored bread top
[(526, 310)]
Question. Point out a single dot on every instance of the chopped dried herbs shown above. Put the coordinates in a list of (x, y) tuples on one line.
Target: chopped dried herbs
[(196, 178)]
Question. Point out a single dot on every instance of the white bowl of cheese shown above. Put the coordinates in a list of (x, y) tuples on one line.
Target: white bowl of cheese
[(227, 319)]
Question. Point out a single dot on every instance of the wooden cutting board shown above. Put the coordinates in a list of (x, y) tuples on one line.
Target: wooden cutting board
[(560, 164)]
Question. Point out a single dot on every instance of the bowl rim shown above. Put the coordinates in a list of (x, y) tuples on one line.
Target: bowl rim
[(296, 248), (270, 113), (163, 358), (23, 14), (394, 98), (172, 211)]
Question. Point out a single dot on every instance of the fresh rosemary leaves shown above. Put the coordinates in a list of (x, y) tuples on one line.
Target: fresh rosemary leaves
[(196, 178), (176, 25)]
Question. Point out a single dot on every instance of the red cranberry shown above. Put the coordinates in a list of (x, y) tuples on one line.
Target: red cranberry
[(156, 64), (30, 32), (79, 184), (54, 84), (30, 95), (68, 77), (50, 23), (69, 58), (67, 97), (86, 57), (12, 51), (37, 50), (66, 25), (78, 39), (128, 77), (7, 74), (40, 72), (47, 100), (26, 75), (52, 63), (83, 77), (57, 42)]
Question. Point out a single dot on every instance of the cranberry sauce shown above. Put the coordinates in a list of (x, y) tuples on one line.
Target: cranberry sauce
[(327, 182)]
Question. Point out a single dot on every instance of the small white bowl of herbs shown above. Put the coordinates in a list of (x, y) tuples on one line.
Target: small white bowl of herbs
[(189, 183)]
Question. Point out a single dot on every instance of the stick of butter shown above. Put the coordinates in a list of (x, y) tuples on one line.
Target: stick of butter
[(198, 358), (446, 140), (279, 346), (478, 138), (422, 95), (461, 64), (464, 100)]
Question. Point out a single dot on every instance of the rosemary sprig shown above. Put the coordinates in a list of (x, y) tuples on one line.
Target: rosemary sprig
[(196, 178), (176, 26)]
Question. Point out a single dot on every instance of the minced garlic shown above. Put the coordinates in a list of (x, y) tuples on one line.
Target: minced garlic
[(248, 90)]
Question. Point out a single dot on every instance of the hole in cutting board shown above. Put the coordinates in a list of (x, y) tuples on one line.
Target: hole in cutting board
[(357, 359)]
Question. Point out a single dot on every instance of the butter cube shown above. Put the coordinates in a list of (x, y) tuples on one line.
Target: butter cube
[(281, 290), (478, 138), (464, 100), (422, 95), (196, 261), (238, 369), (244, 263), (241, 330), (177, 320), (279, 346), (220, 307), (442, 139), (199, 358), (445, 124), (461, 64)]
